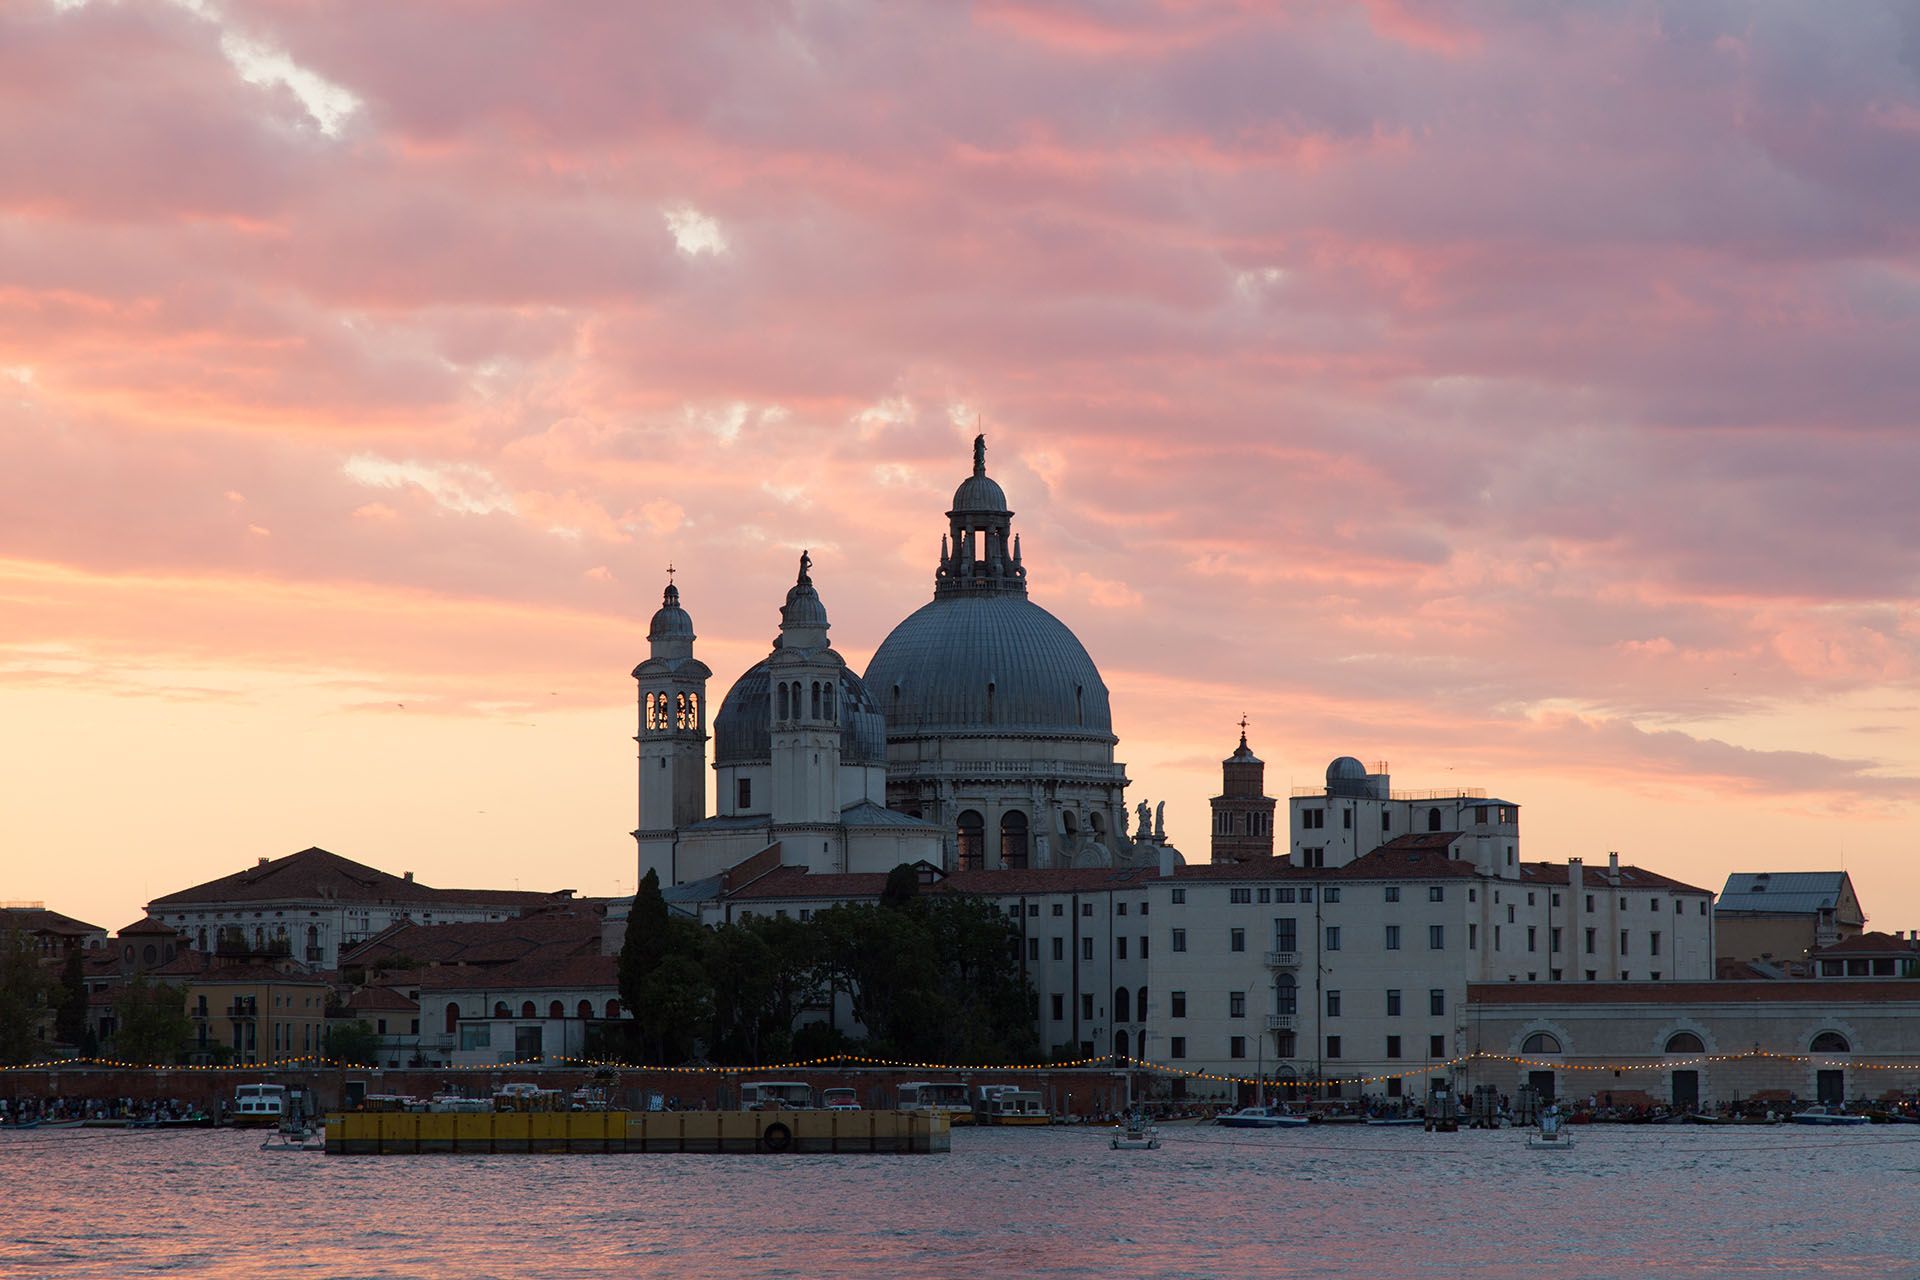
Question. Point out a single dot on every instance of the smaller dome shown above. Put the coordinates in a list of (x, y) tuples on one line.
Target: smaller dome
[(1346, 769), (670, 621), (803, 607), (979, 493)]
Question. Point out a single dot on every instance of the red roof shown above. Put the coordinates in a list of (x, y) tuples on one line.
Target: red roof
[(1422, 856), (488, 942), (148, 927), (1871, 944), (1595, 878), (798, 883), (590, 972), (373, 998), (1775, 991), (41, 920), (315, 874)]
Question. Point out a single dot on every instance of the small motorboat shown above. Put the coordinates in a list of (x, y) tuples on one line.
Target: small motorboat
[(1394, 1122), (1550, 1132), (1827, 1116), (1135, 1135), (1261, 1118), (294, 1136)]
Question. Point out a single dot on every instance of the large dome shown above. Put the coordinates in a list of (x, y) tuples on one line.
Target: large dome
[(997, 664), (741, 733)]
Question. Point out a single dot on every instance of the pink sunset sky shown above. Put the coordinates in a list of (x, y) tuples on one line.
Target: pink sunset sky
[(1521, 394)]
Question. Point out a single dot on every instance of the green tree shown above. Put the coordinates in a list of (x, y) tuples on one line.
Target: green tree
[(70, 1020), (903, 886), (645, 943), (354, 1042), (24, 991), (762, 973), (151, 1021), (674, 1011)]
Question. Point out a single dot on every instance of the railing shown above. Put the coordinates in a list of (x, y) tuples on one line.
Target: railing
[(1283, 959), (1442, 793), (239, 1009), (1281, 1021)]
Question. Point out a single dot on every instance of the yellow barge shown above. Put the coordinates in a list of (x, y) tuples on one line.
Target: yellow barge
[(380, 1133)]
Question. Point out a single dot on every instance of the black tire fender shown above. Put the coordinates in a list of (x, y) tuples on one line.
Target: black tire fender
[(776, 1138)]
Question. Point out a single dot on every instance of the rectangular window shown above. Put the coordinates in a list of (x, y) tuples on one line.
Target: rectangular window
[(1393, 893), (1306, 894), (1331, 895), (745, 794), (1086, 948), (1436, 937), (1179, 897), (1266, 895), (1653, 944), (1333, 937), (1313, 819), (1236, 1046), (1177, 1005), (1086, 909), (1059, 948), (1393, 937), (1059, 909), (1177, 1047), (1237, 940), (1283, 895), (1393, 1046), (1346, 819), (1553, 938), (1086, 1005), (1033, 948), (1509, 913), (1436, 893), (1333, 1004), (1623, 942), (1236, 1004), (1473, 937), (1120, 947), (1239, 895), (1285, 935), (1496, 937), (1120, 910), (1059, 1007), (1179, 939), (1592, 935), (1437, 1002), (1333, 1046), (1436, 1046), (1589, 902), (1393, 1002), (1143, 908), (1143, 946), (1532, 933), (1386, 819), (476, 1035)]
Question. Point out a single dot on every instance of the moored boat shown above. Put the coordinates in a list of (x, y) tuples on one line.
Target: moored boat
[(1550, 1132), (1827, 1117), (1135, 1135), (1261, 1118)]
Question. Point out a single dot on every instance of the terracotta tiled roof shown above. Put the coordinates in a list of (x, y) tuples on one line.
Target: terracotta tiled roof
[(200, 968), (41, 920), (1871, 944), (374, 998), (1595, 878), (316, 874), (1777, 991), (147, 926), (592, 972), (1257, 869), (491, 942), (1409, 857)]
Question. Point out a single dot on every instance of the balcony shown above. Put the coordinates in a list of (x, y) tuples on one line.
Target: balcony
[(242, 1009), (1283, 959), (1281, 1021)]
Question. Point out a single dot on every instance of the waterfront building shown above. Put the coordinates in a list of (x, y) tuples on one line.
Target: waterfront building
[(981, 737), (1302, 972), (393, 1016), (248, 1008), (1243, 811), (1640, 1043), (315, 903), (1780, 917), (1869, 955), (540, 1007)]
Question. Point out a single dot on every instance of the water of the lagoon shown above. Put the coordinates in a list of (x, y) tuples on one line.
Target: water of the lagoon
[(1381, 1203)]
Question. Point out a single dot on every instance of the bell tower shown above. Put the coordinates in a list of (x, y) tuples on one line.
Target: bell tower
[(673, 735), (804, 712), (1243, 812)]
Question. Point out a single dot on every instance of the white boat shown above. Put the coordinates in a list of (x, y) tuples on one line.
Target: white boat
[(1011, 1105), (295, 1136), (259, 1105), (1135, 1135), (775, 1095), (952, 1097), (1822, 1115), (1550, 1132), (1261, 1118)]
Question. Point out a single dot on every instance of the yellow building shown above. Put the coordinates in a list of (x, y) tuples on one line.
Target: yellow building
[(249, 1006)]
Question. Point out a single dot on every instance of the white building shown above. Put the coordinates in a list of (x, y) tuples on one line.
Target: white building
[(318, 904), (1358, 811)]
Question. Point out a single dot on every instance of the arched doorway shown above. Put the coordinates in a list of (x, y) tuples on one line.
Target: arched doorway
[(453, 1017), (1013, 840), (1122, 1004), (1120, 1043), (1830, 1082), (971, 847)]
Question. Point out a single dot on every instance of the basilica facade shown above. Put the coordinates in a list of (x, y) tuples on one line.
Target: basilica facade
[(980, 738)]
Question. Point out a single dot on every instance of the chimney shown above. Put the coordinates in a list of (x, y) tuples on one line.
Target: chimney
[(1613, 867), (261, 863), (1166, 860), (407, 876)]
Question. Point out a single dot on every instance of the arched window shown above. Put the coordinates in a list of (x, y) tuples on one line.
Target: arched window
[(585, 1010), (1140, 1002), (453, 1016), (1540, 1042), (1120, 1043), (1830, 1042), (781, 714), (147, 953), (1122, 1004), (500, 1009), (556, 1010), (1069, 823), (1013, 840), (826, 701), (813, 711), (203, 937), (526, 1009), (1433, 819), (1286, 995), (1097, 822), (1685, 1042), (972, 847), (613, 1008)]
